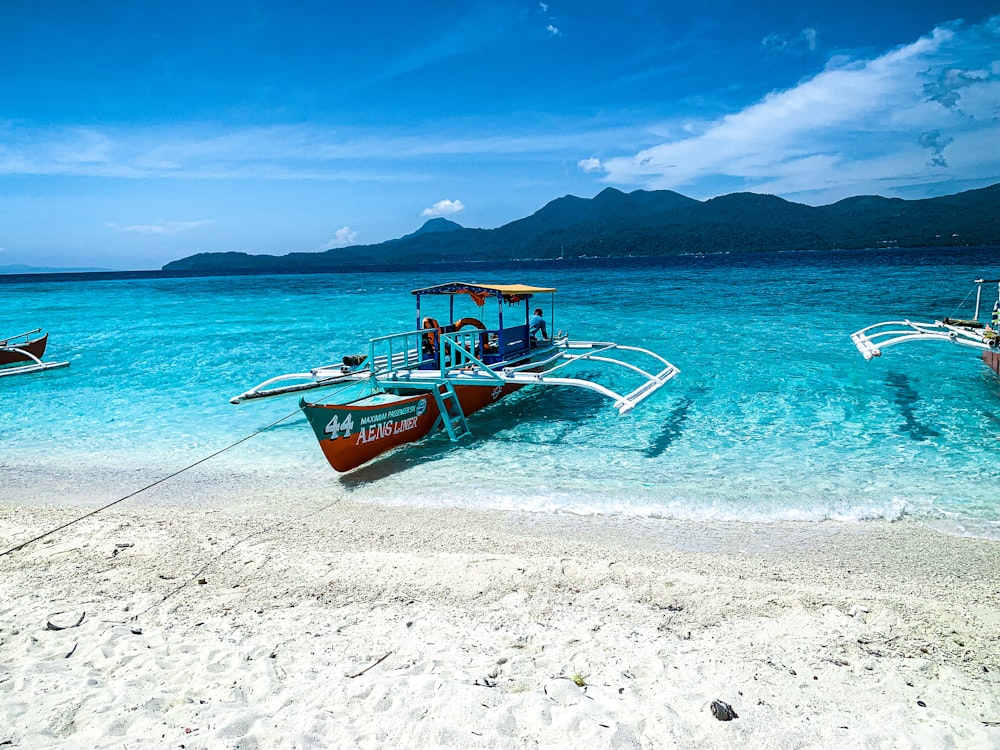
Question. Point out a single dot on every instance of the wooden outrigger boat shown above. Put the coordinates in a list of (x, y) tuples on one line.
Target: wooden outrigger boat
[(969, 332), (409, 384), (22, 354)]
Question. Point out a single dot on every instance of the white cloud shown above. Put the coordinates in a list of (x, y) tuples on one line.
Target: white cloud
[(590, 165), (810, 38), (807, 38), (163, 228), (550, 27), (344, 236), (860, 125), (444, 208), (284, 152)]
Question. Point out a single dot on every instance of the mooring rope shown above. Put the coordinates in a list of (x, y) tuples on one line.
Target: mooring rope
[(201, 571), (103, 508)]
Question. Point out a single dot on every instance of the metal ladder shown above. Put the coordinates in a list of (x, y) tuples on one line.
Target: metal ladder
[(450, 411)]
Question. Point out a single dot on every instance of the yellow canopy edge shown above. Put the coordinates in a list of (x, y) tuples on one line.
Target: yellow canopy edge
[(461, 287)]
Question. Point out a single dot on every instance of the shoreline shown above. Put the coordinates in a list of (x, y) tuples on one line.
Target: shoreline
[(231, 488), (354, 624)]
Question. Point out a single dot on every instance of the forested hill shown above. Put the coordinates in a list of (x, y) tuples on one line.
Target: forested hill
[(662, 222)]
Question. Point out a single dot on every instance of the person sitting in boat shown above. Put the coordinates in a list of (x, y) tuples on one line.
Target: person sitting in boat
[(536, 325)]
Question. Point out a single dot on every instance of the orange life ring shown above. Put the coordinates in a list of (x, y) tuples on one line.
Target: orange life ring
[(474, 322)]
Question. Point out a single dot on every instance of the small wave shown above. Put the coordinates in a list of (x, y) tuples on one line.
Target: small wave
[(678, 509)]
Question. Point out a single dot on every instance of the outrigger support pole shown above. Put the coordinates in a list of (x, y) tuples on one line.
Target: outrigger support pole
[(35, 365)]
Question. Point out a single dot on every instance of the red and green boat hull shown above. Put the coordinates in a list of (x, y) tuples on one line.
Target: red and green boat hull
[(351, 434)]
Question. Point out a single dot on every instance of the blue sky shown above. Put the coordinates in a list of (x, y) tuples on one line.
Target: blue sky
[(135, 133)]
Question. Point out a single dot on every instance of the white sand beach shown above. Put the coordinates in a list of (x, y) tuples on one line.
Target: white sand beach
[(338, 624)]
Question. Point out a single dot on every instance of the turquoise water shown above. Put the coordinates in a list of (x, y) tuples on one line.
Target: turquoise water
[(774, 416)]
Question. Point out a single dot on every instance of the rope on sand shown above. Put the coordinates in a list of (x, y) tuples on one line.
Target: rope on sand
[(198, 576), (103, 508)]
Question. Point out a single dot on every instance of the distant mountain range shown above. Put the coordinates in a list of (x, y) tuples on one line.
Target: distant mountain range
[(662, 222)]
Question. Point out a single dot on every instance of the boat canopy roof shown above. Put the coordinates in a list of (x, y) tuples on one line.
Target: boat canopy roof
[(492, 290)]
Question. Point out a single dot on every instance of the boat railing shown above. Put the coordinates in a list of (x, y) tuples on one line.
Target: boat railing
[(458, 352), (397, 351), (7, 342), (386, 354)]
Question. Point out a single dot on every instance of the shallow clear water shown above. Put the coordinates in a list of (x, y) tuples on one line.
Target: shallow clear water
[(774, 415)]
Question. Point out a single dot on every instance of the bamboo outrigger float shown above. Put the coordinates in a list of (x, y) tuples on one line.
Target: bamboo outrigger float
[(22, 348), (971, 332), (409, 384)]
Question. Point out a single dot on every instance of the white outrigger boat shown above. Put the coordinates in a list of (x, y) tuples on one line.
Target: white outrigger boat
[(970, 332), (22, 354), (409, 384)]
